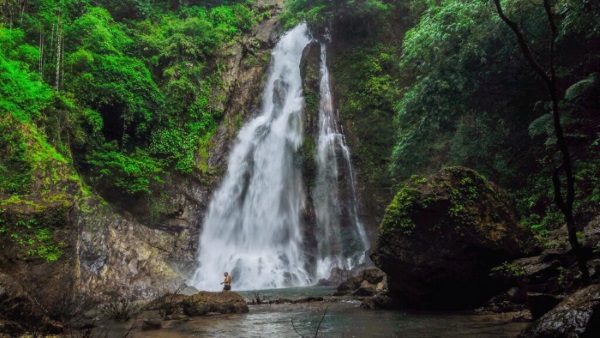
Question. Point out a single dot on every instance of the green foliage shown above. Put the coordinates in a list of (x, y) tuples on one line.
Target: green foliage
[(23, 95), (443, 55), (36, 242), (121, 84), (30, 225), (397, 213), (116, 64), (129, 174), (368, 78), (15, 169), (175, 146), (464, 197), (460, 106), (320, 12), (509, 270), (96, 32)]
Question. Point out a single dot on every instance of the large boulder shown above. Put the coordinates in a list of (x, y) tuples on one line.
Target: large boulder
[(576, 316), (201, 304), (441, 236), (206, 302)]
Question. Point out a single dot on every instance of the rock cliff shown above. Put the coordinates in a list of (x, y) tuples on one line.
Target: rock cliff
[(142, 247)]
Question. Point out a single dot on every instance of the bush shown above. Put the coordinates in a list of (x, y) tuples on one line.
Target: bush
[(129, 174), (121, 310)]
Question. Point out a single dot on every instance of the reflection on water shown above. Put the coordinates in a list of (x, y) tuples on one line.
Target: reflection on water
[(342, 319), (290, 293)]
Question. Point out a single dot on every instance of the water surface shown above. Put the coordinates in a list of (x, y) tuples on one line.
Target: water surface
[(340, 318)]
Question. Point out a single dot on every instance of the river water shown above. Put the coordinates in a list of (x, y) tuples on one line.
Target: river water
[(340, 318)]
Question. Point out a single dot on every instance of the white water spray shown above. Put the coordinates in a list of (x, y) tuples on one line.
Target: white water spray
[(253, 225), (342, 240), (252, 228)]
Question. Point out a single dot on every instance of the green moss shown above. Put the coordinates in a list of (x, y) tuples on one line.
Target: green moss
[(30, 225), (158, 207), (15, 165), (203, 153), (251, 61), (465, 193), (367, 87), (311, 102), (397, 213), (308, 152), (507, 269), (418, 179)]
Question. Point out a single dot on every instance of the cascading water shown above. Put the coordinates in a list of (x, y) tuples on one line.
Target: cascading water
[(252, 228), (338, 246), (253, 225)]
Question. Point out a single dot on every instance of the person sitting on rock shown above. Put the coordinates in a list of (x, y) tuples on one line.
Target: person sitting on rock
[(227, 282)]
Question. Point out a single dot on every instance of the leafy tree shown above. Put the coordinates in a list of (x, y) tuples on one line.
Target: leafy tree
[(130, 173), (15, 170), (563, 200), (319, 13), (454, 72), (24, 96)]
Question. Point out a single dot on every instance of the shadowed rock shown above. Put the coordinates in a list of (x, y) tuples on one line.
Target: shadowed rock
[(370, 282), (201, 304), (205, 302), (577, 316), (440, 237)]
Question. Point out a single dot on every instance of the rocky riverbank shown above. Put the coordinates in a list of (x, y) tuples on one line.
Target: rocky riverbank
[(453, 241), (305, 308)]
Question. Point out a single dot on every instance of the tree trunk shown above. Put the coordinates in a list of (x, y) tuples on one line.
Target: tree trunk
[(58, 55), (565, 206)]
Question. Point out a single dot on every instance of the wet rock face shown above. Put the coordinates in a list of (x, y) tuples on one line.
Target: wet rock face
[(440, 237), (244, 66), (129, 253), (36, 280), (369, 283), (310, 73), (22, 311), (577, 316)]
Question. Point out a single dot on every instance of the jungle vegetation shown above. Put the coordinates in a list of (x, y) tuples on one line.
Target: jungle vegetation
[(454, 88), (123, 90)]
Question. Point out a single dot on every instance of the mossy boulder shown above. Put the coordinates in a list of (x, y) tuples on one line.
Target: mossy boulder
[(441, 236)]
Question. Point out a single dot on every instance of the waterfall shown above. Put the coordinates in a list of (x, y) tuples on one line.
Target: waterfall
[(252, 228), (253, 225), (342, 243)]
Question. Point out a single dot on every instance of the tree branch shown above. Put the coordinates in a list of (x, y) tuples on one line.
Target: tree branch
[(294, 326), (321, 321), (554, 32), (524, 47)]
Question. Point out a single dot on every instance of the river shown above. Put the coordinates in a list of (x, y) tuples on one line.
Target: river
[(340, 318)]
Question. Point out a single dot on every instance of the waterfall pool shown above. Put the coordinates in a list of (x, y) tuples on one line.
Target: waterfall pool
[(339, 319)]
